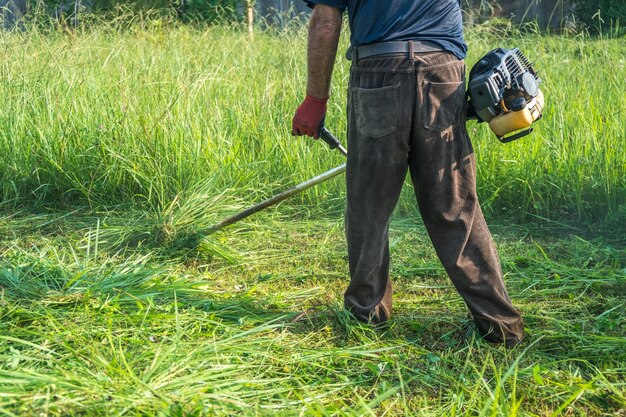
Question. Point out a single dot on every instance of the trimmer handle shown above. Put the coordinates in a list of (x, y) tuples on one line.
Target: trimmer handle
[(331, 140)]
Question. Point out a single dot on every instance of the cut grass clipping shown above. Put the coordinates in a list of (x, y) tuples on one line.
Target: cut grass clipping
[(94, 331)]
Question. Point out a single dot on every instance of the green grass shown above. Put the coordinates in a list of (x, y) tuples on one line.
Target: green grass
[(88, 330), (117, 145), (110, 117)]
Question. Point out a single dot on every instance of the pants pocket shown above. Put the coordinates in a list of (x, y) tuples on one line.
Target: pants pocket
[(443, 105), (376, 110)]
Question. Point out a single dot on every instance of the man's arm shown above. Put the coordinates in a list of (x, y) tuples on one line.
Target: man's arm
[(324, 30)]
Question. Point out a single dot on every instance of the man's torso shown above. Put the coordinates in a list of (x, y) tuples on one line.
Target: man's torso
[(374, 21)]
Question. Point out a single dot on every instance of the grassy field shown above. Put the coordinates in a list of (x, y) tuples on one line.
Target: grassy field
[(117, 146), (108, 118)]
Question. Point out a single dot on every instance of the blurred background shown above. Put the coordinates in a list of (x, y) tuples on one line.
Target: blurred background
[(546, 14)]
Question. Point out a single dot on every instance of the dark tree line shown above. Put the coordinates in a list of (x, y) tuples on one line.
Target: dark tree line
[(592, 14)]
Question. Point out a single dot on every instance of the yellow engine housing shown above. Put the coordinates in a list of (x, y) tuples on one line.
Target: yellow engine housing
[(513, 121)]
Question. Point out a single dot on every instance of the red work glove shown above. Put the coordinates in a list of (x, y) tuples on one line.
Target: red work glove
[(309, 116)]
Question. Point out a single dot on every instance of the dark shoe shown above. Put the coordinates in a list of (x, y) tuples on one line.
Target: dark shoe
[(496, 340), (509, 333), (378, 315)]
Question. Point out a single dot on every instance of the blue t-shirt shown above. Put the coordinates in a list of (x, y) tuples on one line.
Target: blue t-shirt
[(372, 21)]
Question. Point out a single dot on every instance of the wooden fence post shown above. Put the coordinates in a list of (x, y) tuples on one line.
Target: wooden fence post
[(250, 16)]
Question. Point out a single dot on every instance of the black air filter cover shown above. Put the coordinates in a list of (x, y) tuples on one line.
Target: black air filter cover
[(502, 74)]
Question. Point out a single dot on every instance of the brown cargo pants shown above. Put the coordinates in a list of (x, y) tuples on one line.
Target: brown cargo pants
[(409, 114)]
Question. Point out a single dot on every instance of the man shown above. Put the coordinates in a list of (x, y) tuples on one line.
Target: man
[(406, 111)]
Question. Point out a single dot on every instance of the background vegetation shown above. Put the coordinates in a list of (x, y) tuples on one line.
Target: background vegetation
[(599, 15), (596, 16), (114, 117)]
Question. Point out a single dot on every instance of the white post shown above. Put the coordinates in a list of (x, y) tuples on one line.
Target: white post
[(250, 16)]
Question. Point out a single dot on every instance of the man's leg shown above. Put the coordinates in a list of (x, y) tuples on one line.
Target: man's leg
[(444, 173), (380, 105)]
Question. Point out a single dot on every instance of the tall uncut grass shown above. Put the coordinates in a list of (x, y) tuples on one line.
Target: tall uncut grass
[(110, 117)]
